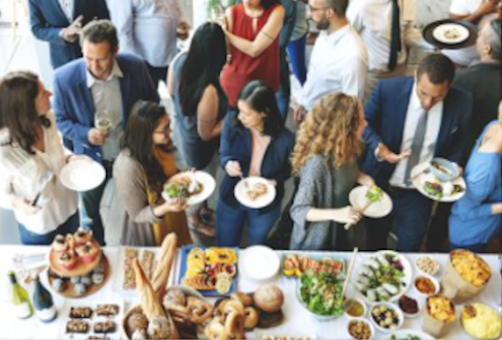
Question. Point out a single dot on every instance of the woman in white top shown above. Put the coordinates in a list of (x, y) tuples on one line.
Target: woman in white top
[(31, 158)]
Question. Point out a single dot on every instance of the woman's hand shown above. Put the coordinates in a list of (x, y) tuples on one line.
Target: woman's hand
[(365, 179), (25, 205), (175, 205), (233, 169), (345, 215)]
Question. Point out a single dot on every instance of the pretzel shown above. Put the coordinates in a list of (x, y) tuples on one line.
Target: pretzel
[(215, 330), (244, 298), (200, 310), (234, 325)]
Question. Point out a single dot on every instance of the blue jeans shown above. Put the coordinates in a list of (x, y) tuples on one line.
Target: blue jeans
[(230, 224), (32, 239), (296, 52), (411, 213)]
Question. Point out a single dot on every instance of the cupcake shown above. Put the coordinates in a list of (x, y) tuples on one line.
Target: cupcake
[(86, 280), (88, 252), (82, 236), (59, 244), (67, 260)]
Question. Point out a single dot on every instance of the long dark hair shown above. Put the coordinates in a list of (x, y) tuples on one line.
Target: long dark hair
[(142, 122), (260, 97), (205, 60), (18, 92)]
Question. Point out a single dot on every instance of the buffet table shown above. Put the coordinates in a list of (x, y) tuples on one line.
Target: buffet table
[(297, 319)]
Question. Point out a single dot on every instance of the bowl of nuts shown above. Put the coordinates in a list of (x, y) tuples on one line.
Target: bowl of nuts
[(428, 265), (360, 329), (386, 317)]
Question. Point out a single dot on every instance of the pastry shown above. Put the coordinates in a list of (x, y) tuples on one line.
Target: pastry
[(107, 310), (58, 285), (129, 275), (67, 260), (160, 327), (137, 321), (59, 243), (75, 279), (139, 334), (77, 326), (86, 281), (161, 274), (200, 282), (97, 278), (82, 236), (108, 326), (79, 289), (80, 312), (88, 252)]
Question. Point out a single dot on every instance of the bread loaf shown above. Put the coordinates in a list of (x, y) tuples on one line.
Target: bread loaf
[(161, 274)]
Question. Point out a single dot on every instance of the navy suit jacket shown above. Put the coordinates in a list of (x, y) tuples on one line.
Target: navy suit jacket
[(47, 19), (235, 145), (386, 112), (74, 107)]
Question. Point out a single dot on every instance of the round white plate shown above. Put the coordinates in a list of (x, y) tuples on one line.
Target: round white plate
[(259, 263), (378, 209), (208, 186), (440, 33), (241, 189), (82, 174), (407, 279), (419, 176), (404, 333)]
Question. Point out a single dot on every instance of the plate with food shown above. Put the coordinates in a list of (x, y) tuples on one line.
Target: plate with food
[(82, 174), (371, 201), (255, 192), (481, 321), (295, 265), (408, 334), (385, 276), (450, 33), (430, 186), (262, 334), (193, 186), (212, 271)]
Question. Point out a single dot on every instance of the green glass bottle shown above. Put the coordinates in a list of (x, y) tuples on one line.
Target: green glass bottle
[(20, 300), (43, 303)]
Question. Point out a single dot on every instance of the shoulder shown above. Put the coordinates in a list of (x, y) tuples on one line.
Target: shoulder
[(459, 97), (314, 166), (398, 84), (125, 163), (73, 70), (130, 62), (287, 137)]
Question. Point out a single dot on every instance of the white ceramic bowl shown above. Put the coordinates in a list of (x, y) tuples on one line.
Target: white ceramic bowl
[(259, 263), (435, 271), (419, 307), (372, 329), (396, 309), (433, 280), (350, 317)]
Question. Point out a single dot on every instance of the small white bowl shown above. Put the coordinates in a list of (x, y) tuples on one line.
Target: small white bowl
[(432, 279), (372, 329), (437, 269), (396, 309), (419, 307), (350, 317), (259, 263)]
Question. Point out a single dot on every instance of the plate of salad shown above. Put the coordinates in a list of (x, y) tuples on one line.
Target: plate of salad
[(192, 186), (372, 201), (430, 186), (320, 294)]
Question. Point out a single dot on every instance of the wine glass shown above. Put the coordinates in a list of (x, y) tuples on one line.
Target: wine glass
[(102, 121)]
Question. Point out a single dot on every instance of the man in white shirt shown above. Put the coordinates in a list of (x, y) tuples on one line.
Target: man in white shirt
[(338, 62), (411, 121)]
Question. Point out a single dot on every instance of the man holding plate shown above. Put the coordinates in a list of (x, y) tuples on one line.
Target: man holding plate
[(411, 121)]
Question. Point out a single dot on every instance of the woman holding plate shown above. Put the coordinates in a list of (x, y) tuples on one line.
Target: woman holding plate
[(31, 159), (254, 142), (145, 163), (325, 158)]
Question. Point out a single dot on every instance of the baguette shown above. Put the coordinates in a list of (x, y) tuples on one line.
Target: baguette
[(150, 303), (161, 274)]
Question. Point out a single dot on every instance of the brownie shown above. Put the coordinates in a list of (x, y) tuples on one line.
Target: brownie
[(77, 326), (107, 310), (80, 312), (105, 327)]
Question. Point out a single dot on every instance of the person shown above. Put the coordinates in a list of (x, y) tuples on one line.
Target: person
[(103, 84), (410, 121), (476, 217), (254, 142), (31, 159), (483, 81), (59, 23), (473, 11), (200, 106), (252, 29), (297, 45), (339, 60), (149, 30), (141, 169), (325, 159)]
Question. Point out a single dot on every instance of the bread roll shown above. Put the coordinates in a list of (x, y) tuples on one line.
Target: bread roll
[(161, 274)]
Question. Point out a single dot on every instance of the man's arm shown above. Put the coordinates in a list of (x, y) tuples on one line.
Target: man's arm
[(39, 26)]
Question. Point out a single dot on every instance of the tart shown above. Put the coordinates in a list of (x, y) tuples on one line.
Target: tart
[(82, 236), (88, 252), (59, 244), (67, 260)]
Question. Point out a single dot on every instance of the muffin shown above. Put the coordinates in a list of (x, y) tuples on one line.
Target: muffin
[(88, 252), (59, 244), (67, 260), (82, 236)]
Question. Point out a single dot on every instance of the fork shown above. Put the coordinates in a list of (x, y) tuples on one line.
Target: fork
[(243, 179)]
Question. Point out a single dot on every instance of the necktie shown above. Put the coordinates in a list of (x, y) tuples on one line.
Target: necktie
[(416, 146), (395, 36)]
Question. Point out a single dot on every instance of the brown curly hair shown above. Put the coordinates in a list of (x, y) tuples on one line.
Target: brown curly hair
[(330, 130)]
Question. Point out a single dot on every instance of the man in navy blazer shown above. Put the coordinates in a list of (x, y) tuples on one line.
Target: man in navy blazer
[(59, 21), (410, 121), (105, 84)]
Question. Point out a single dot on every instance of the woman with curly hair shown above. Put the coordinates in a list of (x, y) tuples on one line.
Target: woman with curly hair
[(325, 158)]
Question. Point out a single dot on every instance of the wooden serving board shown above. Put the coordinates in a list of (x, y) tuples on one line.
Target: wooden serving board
[(81, 268), (69, 292)]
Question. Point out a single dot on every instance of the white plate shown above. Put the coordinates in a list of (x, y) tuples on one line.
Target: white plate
[(440, 32), (378, 209), (208, 186), (407, 279), (82, 174), (261, 334), (259, 263), (241, 189), (403, 333), (419, 176)]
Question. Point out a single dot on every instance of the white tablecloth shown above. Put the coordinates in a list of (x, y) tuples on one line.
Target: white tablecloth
[(297, 320)]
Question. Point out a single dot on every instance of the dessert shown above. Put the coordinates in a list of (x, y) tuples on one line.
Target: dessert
[(80, 312), (256, 191), (67, 260), (79, 289), (108, 326), (77, 326), (107, 310), (88, 252), (129, 275), (59, 243), (82, 236), (481, 321)]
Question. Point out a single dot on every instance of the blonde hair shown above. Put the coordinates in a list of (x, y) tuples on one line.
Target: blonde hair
[(330, 130)]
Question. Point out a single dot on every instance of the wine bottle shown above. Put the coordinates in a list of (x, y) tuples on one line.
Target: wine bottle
[(20, 300), (44, 305)]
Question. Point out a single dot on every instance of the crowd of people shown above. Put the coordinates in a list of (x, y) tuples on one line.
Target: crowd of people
[(359, 120)]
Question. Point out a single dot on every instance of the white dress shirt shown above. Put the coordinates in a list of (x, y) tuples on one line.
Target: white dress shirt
[(107, 97), (373, 20), (67, 6), (147, 28), (338, 63), (413, 114), (22, 174)]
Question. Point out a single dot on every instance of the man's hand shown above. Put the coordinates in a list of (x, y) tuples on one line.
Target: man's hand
[(96, 136), (299, 114), (391, 157), (70, 34)]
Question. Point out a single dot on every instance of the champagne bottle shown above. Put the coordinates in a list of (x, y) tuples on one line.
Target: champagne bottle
[(20, 300), (44, 305)]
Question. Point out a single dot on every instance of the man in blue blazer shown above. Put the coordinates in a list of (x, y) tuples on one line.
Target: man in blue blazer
[(410, 121), (59, 22), (101, 84)]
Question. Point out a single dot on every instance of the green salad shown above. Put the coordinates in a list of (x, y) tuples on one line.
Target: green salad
[(321, 293), (374, 194)]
